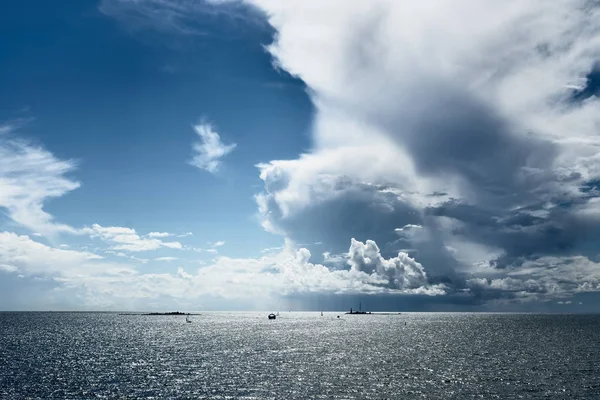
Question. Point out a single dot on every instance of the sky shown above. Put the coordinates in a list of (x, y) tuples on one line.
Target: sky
[(440, 155)]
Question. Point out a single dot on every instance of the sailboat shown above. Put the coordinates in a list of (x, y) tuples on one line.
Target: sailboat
[(187, 319), (321, 313)]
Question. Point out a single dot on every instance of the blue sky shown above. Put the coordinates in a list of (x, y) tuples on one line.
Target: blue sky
[(123, 106), (258, 154)]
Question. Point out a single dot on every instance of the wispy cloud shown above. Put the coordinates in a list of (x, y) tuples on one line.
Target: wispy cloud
[(159, 234), (167, 234), (6, 128), (126, 239), (213, 247), (13, 125), (178, 17), (210, 149), (30, 175), (166, 259)]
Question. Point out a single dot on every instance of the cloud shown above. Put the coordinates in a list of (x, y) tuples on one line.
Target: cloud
[(209, 150), (545, 278), (406, 228), (8, 268), (33, 258), (401, 271), (126, 239), (167, 234), (29, 176), (12, 126), (102, 284), (159, 234), (338, 259), (178, 17), (166, 259), (213, 247), (475, 120)]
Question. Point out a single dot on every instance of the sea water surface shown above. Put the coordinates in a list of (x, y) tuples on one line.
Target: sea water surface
[(299, 356)]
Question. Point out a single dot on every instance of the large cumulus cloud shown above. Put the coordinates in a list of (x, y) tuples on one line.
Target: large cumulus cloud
[(475, 120)]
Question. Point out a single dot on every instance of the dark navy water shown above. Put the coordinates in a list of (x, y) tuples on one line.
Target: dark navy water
[(299, 356)]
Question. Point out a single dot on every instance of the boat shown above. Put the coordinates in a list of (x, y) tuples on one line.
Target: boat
[(360, 311), (321, 313), (272, 316), (187, 319)]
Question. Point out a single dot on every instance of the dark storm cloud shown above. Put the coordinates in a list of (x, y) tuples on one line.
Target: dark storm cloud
[(355, 210), (559, 231)]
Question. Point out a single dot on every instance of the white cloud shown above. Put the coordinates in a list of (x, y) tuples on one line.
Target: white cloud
[(210, 149), (100, 283), (11, 126), (30, 175), (213, 247), (126, 239), (8, 268), (159, 234), (33, 258), (141, 260), (272, 249), (166, 259), (329, 258), (401, 271), (407, 227)]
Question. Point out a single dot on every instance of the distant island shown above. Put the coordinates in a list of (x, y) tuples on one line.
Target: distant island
[(360, 311), (159, 313)]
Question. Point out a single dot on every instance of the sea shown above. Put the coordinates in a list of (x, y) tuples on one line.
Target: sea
[(58, 355)]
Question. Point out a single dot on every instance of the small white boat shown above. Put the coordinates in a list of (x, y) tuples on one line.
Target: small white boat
[(187, 319)]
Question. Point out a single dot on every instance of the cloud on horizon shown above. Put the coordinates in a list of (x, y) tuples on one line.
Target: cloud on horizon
[(108, 285)]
